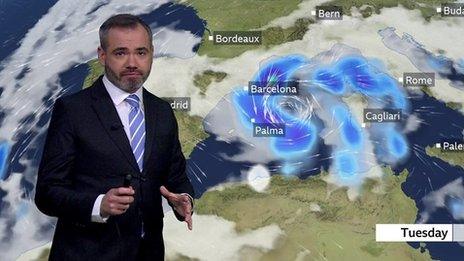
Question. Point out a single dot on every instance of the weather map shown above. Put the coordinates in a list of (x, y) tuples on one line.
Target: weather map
[(313, 130), (319, 97)]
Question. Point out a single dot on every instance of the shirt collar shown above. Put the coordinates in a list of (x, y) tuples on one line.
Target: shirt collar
[(117, 95)]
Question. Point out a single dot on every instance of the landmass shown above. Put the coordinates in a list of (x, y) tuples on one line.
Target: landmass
[(271, 36), (276, 35), (203, 80), (241, 15), (452, 157), (319, 222), (257, 13), (95, 70), (44, 256), (191, 131)]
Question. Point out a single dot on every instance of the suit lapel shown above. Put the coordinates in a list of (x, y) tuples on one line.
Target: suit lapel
[(108, 116), (151, 118)]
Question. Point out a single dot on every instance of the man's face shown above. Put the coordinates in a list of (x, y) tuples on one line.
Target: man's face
[(127, 58)]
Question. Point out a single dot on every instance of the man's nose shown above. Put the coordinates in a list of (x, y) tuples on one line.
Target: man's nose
[(131, 61)]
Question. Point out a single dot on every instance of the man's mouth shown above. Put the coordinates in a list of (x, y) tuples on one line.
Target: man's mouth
[(131, 74)]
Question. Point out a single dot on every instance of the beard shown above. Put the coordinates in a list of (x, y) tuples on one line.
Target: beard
[(130, 84)]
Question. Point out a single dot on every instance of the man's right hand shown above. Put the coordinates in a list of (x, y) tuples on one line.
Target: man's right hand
[(116, 201)]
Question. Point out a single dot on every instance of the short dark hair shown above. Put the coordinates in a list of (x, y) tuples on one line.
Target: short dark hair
[(124, 21)]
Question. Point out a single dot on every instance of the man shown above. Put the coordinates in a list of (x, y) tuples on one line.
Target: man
[(112, 150)]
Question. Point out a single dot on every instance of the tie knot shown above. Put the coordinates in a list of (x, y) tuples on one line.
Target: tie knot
[(133, 101)]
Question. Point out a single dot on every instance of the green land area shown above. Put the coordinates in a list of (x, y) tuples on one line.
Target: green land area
[(191, 131), (341, 230), (246, 15), (453, 158), (371, 7), (203, 80), (190, 127), (95, 70)]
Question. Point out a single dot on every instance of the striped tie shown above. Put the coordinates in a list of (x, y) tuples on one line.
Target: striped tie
[(137, 129)]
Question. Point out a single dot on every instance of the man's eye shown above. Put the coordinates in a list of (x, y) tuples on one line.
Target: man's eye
[(142, 53), (119, 53)]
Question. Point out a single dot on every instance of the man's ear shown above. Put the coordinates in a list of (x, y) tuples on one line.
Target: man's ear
[(101, 55)]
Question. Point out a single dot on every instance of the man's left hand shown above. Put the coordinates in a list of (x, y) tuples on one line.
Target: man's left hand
[(181, 204)]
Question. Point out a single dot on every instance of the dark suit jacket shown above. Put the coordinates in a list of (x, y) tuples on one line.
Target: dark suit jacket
[(86, 154)]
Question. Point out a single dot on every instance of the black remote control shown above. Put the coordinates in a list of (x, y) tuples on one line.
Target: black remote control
[(127, 180)]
